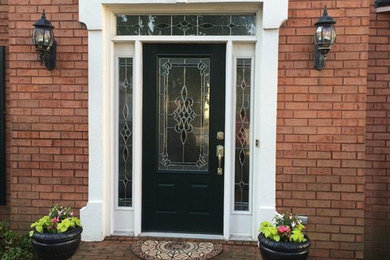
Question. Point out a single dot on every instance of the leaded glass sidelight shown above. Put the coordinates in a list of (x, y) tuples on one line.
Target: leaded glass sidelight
[(125, 132), (199, 25), (242, 152), (184, 95)]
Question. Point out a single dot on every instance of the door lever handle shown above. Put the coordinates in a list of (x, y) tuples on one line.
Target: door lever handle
[(219, 156)]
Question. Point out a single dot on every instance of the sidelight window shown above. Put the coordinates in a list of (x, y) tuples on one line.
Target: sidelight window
[(125, 132), (242, 139)]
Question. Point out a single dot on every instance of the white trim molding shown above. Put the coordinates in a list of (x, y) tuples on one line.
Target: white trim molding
[(98, 16), (382, 9)]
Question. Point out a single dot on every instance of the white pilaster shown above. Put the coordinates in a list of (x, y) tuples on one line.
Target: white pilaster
[(265, 128), (93, 216), (274, 14)]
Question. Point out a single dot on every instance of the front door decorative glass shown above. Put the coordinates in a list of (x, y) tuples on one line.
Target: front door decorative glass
[(184, 92)]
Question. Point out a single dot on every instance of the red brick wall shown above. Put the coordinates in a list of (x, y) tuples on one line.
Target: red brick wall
[(321, 120), (4, 210), (377, 214), (48, 111), (321, 127)]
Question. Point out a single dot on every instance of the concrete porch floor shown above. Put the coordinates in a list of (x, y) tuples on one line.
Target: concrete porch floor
[(120, 248)]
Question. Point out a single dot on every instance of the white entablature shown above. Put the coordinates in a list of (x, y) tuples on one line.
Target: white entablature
[(90, 11)]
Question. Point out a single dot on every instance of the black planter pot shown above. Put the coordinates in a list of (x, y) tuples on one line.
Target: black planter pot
[(272, 250), (59, 246)]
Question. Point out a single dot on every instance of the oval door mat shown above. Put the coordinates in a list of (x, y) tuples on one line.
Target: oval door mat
[(169, 250)]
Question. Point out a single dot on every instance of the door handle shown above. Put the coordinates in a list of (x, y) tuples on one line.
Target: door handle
[(219, 156)]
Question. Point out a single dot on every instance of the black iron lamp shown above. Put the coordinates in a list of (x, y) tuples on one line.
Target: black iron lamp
[(44, 42), (324, 38)]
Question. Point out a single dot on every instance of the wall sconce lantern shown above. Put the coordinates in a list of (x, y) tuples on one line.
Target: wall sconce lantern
[(324, 38), (43, 39)]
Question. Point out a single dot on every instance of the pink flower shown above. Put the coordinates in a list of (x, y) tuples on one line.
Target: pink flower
[(283, 229), (55, 219)]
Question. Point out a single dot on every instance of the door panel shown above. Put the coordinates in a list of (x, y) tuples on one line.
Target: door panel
[(183, 109)]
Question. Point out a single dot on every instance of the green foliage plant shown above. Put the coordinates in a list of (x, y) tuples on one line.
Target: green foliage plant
[(269, 230), (59, 220), (14, 246), (287, 227)]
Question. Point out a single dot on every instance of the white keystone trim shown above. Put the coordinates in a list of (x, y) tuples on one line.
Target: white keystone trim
[(96, 216)]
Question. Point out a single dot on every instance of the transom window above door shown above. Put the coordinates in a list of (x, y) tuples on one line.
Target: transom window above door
[(198, 25)]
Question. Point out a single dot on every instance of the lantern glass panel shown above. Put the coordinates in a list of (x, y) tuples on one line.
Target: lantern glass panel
[(318, 36), (333, 39), (327, 33), (48, 37), (38, 37)]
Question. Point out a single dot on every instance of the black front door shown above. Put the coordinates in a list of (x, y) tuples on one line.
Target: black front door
[(183, 110)]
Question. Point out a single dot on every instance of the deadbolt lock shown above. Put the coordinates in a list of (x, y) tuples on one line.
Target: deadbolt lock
[(220, 135)]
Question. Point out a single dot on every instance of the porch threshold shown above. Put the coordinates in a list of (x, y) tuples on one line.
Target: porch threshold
[(182, 235), (123, 234)]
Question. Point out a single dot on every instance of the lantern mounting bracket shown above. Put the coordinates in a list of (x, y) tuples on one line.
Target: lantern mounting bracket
[(48, 57), (319, 58)]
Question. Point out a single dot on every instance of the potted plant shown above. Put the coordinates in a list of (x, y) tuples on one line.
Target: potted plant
[(283, 240), (56, 236)]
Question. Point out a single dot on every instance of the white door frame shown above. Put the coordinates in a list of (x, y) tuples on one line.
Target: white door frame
[(97, 15)]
